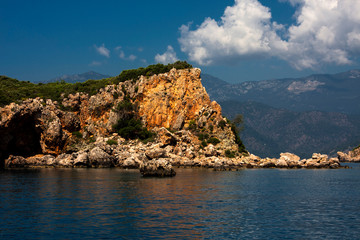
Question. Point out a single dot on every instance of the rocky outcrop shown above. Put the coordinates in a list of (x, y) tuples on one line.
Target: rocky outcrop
[(78, 132), (157, 168), (351, 156)]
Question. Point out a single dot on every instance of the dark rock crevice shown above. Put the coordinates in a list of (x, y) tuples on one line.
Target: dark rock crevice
[(20, 138)]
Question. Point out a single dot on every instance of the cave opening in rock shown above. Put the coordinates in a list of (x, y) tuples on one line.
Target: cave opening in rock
[(20, 138)]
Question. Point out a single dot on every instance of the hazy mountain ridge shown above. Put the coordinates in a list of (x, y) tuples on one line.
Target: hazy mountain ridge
[(323, 92), (73, 78), (270, 131), (302, 115)]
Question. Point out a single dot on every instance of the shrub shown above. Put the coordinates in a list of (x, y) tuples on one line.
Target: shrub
[(213, 141), (211, 128), (77, 134), (111, 142), (229, 154), (203, 136), (192, 125), (203, 143), (222, 124)]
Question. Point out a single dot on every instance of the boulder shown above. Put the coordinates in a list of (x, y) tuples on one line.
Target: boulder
[(155, 152), (157, 168), (99, 158)]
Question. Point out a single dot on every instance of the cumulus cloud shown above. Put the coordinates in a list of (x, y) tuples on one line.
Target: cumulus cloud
[(123, 56), (326, 32), (168, 57), (102, 50)]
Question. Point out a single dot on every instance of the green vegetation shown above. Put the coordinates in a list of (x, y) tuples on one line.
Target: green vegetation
[(222, 124), (238, 121), (77, 134), (12, 90), (203, 136), (192, 125), (129, 125), (213, 141), (111, 142), (149, 71), (229, 153)]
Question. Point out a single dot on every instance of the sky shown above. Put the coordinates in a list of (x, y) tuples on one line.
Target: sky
[(234, 40)]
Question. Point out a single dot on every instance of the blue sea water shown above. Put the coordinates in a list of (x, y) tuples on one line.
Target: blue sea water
[(196, 204)]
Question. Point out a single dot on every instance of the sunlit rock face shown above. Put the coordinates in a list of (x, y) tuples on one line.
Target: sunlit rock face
[(176, 101)]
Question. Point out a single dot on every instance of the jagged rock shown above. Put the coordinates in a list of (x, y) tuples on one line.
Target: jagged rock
[(291, 159), (64, 160), (99, 158), (16, 162), (211, 151), (155, 152), (157, 168), (71, 121), (165, 137), (351, 156), (81, 159), (281, 163)]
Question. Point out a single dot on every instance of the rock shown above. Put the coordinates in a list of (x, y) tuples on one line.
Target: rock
[(71, 121), (64, 160), (155, 152), (165, 137), (291, 159), (99, 158), (81, 159), (16, 162), (211, 151), (351, 156), (157, 168), (281, 163)]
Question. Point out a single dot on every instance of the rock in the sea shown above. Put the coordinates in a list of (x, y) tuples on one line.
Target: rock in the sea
[(157, 168)]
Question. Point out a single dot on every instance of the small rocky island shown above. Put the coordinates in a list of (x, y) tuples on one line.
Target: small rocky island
[(151, 123)]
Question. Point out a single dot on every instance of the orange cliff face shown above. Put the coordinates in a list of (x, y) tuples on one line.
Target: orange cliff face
[(173, 99)]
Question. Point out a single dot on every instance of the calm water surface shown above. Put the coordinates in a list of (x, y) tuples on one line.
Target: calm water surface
[(196, 204)]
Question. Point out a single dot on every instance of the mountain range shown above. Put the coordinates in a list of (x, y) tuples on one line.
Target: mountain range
[(321, 92), (73, 78), (318, 113)]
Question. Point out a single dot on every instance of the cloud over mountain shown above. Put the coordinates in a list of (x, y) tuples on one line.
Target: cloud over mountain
[(167, 57), (326, 32)]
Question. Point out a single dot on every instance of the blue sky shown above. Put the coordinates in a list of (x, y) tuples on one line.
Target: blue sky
[(251, 40)]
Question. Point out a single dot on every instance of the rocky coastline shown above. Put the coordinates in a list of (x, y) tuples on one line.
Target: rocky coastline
[(165, 154), (189, 130)]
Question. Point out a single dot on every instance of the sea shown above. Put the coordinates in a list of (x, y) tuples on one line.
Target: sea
[(195, 204)]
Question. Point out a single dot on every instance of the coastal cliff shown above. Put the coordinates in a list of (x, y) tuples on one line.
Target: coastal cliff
[(165, 118)]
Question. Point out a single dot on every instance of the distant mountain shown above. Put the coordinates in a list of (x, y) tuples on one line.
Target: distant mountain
[(269, 131), (80, 77), (321, 92), (303, 115)]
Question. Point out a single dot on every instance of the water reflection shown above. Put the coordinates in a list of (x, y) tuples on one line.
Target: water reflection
[(197, 203)]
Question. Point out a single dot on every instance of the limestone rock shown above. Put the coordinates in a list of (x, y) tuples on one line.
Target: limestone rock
[(155, 152), (157, 168), (99, 158)]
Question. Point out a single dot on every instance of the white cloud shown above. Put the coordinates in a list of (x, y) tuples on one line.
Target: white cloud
[(123, 56), (326, 32), (167, 57), (95, 63), (102, 50)]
